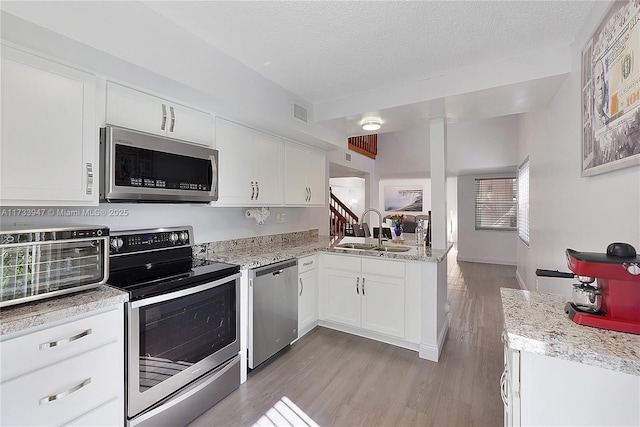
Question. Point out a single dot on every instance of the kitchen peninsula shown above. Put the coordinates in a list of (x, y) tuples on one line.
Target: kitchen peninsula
[(554, 366), (398, 298)]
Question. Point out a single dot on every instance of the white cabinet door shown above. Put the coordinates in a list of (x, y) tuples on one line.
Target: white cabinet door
[(307, 301), (132, 109), (305, 176), (383, 304), (135, 110), (316, 177), (49, 151), (250, 166), (296, 189), (343, 300), (235, 177), (189, 124), (268, 153)]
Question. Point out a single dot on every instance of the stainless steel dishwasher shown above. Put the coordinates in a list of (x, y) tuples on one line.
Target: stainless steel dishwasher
[(273, 309)]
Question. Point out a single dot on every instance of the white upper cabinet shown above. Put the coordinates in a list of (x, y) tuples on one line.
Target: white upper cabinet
[(305, 176), (132, 109), (250, 169), (49, 151)]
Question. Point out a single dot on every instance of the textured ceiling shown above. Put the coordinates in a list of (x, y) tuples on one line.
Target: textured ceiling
[(329, 50)]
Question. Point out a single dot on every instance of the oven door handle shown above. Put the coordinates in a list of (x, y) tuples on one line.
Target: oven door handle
[(184, 292)]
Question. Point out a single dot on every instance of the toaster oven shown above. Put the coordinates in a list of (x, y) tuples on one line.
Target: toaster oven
[(43, 263)]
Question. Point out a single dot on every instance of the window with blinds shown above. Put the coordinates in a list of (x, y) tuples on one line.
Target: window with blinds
[(496, 204), (523, 201)]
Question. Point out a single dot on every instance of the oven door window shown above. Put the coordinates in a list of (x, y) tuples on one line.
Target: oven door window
[(178, 333)]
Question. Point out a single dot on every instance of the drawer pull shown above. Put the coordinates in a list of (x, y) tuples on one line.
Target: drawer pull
[(304, 264), (64, 341), (65, 393)]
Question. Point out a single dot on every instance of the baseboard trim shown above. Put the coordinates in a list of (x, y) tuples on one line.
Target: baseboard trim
[(371, 335), (486, 261), (432, 352)]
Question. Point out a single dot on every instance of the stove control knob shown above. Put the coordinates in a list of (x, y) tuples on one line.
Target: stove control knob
[(116, 243), (184, 236), (173, 237)]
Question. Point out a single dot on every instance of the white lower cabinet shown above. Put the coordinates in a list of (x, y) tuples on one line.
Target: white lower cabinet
[(541, 390), (366, 293), (71, 373), (307, 294)]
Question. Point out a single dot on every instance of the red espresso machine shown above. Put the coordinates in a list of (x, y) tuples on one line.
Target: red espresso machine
[(613, 301)]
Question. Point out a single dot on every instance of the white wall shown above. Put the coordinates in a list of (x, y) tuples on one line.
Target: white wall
[(404, 154), (452, 208), (567, 211), (488, 246)]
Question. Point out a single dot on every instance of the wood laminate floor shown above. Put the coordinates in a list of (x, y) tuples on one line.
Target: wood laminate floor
[(331, 378)]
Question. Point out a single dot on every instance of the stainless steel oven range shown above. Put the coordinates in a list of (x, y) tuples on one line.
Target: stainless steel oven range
[(182, 326)]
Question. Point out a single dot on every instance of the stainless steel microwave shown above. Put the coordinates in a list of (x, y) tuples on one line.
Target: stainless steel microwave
[(141, 167)]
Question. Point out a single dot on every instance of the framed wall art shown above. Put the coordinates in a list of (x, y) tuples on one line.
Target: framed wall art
[(611, 91), (403, 198)]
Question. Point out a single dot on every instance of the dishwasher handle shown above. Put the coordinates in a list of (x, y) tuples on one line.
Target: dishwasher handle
[(275, 269)]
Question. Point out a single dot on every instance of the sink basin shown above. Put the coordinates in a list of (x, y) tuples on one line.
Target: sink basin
[(392, 248), (359, 246)]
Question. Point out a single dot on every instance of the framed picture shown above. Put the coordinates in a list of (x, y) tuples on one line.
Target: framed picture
[(611, 91), (403, 198)]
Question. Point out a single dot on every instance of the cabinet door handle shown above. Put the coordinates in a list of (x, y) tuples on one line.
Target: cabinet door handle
[(173, 118), (301, 286), (89, 190), (358, 286), (258, 190), (253, 190), (503, 388), (310, 194), (164, 117), (65, 341), (363, 286), (65, 393)]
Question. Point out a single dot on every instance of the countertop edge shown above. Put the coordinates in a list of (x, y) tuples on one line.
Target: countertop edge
[(18, 318), (557, 336)]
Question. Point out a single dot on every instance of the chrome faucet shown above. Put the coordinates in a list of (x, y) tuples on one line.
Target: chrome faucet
[(379, 223)]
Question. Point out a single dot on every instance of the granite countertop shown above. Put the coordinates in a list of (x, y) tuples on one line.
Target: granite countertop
[(19, 317), (259, 256), (537, 323)]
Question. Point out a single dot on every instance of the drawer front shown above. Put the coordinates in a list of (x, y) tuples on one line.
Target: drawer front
[(307, 263), (383, 267), (110, 414), (341, 262), (65, 391), (33, 351)]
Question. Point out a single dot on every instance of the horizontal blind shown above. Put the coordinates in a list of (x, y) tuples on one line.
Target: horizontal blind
[(496, 204), (523, 201)]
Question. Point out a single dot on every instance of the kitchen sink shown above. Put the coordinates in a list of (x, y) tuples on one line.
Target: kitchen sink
[(373, 247), (392, 248), (360, 246)]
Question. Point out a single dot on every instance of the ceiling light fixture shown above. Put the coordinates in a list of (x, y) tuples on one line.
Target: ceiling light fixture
[(371, 125)]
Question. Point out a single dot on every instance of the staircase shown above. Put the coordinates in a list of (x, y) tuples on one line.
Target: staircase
[(341, 218)]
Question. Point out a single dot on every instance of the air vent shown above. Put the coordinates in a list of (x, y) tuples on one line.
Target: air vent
[(347, 157), (300, 113)]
